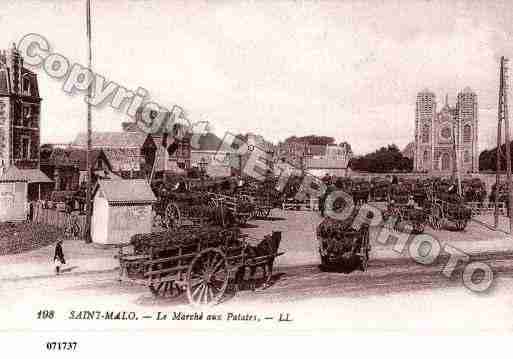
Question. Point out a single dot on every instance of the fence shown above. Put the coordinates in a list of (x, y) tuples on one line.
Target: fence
[(479, 208), (311, 204), (74, 225)]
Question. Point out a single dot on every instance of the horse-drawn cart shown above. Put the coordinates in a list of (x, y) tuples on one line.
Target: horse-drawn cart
[(340, 244), (442, 213), (198, 260), (404, 208), (240, 207)]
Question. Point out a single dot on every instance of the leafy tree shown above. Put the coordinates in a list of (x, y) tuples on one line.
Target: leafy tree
[(45, 151), (311, 140), (385, 159), (488, 158)]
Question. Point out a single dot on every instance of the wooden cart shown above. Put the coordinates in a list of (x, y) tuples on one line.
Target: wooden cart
[(342, 247), (199, 261), (241, 207), (442, 213)]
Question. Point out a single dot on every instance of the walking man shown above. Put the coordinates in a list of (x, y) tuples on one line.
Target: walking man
[(58, 257)]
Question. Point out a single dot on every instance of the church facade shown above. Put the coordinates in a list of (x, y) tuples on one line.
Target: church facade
[(20, 106), (447, 137)]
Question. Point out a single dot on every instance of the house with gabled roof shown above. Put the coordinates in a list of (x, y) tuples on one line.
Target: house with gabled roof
[(67, 167), (131, 154)]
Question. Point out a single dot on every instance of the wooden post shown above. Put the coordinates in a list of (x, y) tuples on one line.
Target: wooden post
[(498, 154), (507, 138), (89, 130), (456, 169)]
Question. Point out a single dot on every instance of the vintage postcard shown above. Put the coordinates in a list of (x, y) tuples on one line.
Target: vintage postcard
[(254, 167)]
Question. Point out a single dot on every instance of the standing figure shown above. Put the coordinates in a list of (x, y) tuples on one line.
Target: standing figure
[(58, 257)]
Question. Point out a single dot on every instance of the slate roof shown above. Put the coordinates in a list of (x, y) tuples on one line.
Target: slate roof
[(74, 156), (123, 159), (15, 174), (134, 191), (112, 140)]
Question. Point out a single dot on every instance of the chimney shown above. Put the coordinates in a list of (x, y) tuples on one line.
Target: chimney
[(16, 64)]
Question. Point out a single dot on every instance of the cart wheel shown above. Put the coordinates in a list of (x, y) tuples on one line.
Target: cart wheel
[(364, 259), (436, 219), (207, 277), (461, 224), (212, 203), (172, 216), (241, 219), (419, 227), (253, 214)]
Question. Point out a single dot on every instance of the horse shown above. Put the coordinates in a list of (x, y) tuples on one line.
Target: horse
[(262, 255)]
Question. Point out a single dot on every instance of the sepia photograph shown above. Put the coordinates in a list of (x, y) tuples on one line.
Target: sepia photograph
[(254, 167)]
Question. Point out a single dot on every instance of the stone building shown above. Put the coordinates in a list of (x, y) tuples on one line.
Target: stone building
[(20, 107), (439, 133)]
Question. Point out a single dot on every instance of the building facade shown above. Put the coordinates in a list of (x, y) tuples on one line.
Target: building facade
[(20, 108), (130, 154), (317, 160), (446, 137)]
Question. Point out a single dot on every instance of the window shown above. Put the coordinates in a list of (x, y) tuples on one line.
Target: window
[(425, 134), (26, 114), (467, 133), (26, 85), (426, 156), (34, 117), (466, 156), (25, 148), (446, 133)]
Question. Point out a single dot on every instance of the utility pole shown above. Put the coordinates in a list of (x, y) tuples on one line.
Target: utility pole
[(503, 117), (498, 167), (89, 129), (504, 66), (456, 169)]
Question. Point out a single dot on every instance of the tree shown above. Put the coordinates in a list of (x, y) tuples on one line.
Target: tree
[(385, 159), (45, 151), (488, 159), (312, 140)]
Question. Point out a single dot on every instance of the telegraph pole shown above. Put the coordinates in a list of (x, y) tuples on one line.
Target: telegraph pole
[(498, 165), (456, 169), (503, 117), (504, 66), (89, 129)]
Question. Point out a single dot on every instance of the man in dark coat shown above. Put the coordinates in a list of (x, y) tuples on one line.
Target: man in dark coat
[(58, 257)]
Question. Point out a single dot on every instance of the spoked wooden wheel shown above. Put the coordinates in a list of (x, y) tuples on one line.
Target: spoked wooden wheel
[(212, 203), (364, 258), (461, 224), (418, 227), (207, 277), (242, 219), (172, 216), (165, 289), (436, 219), (264, 212)]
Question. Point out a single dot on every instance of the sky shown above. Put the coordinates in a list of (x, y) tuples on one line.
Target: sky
[(346, 69)]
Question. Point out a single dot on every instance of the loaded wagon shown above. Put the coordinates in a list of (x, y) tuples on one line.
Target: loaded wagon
[(445, 210), (180, 203), (404, 209), (340, 245), (200, 261), (240, 208)]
